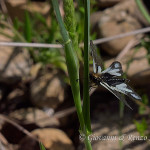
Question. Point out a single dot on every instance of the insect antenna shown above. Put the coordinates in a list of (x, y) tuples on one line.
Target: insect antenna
[(93, 53)]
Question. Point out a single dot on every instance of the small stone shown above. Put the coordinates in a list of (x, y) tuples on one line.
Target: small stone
[(48, 90), (106, 3), (17, 8), (15, 93), (34, 116), (35, 69), (121, 18), (52, 139), (15, 63), (112, 28)]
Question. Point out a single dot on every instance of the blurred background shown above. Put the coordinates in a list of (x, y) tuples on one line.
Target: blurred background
[(35, 94)]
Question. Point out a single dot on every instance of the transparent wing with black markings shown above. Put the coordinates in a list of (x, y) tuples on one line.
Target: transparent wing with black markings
[(126, 89), (115, 69), (97, 61), (116, 93)]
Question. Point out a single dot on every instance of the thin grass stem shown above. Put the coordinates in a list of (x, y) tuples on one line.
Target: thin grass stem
[(143, 10), (86, 99)]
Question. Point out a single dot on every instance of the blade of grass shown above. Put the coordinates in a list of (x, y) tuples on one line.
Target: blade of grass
[(42, 146), (28, 28), (143, 10), (86, 99)]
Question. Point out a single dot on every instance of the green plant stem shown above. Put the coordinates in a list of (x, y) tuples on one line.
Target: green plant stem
[(41, 146), (143, 10), (87, 144), (86, 99), (72, 65), (28, 27)]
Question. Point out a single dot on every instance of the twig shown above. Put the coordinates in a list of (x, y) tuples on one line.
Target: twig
[(142, 104), (39, 45), (103, 40), (126, 49), (17, 126), (4, 141), (71, 110), (96, 42), (68, 111), (1, 146), (63, 113)]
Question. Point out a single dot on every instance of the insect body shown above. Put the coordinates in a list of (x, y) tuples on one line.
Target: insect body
[(110, 78)]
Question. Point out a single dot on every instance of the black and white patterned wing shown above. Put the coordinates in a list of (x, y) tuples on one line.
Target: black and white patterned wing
[(116, 93), (115, 69), (126, 89), (97, 61)]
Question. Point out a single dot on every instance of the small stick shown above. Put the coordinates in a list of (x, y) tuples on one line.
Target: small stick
[(126, 49), (4, 141), (96, 42), (17, 126)]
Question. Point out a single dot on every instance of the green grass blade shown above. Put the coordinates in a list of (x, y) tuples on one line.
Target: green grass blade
[(143, 10), (27, 27), (86, 99), (42, 146)]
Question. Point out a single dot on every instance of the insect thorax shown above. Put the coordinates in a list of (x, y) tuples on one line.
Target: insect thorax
[(95, 79)]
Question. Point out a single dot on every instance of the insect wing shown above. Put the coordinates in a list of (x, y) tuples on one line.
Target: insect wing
[(117, 94), (127, 90), (115, 69), (97, 61)]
